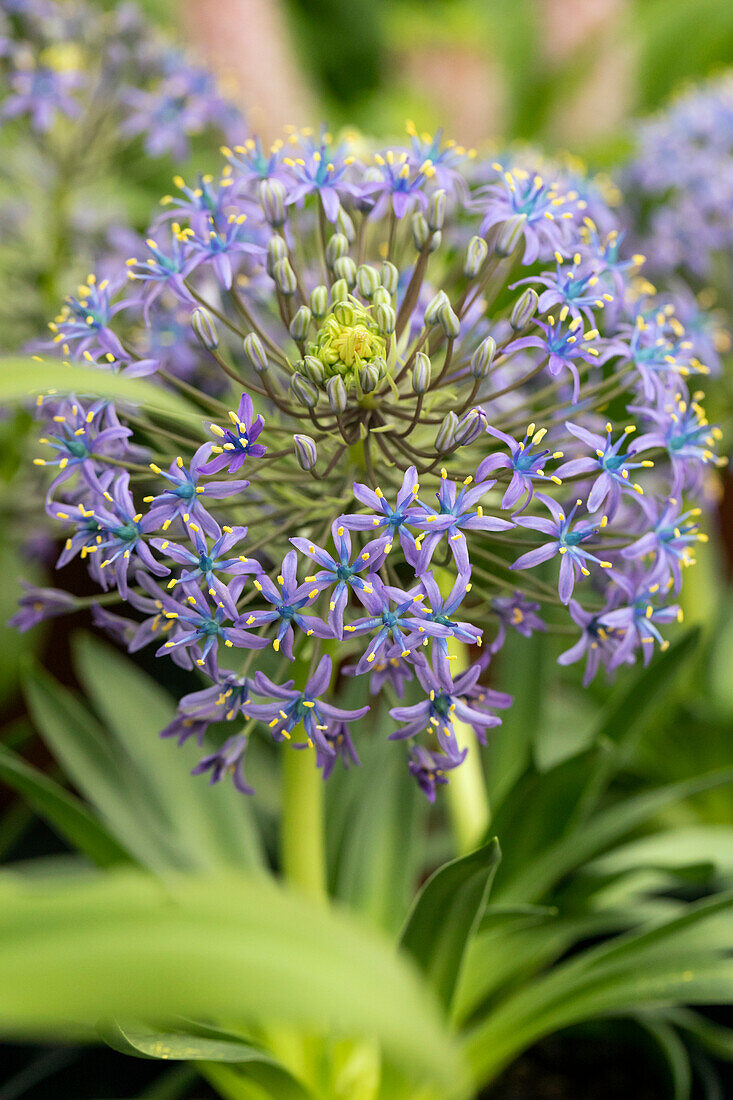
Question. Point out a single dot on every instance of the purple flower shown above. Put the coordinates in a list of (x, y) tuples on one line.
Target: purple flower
[(217, 246), (223, 701), (637, 623), (123, 533), (566, 541), (341, 572), (237, 442), (84, 321), (682, 429), (393, 521), (392, 669), (338, 737), (544, 212), (565, 345), (290, 708), (322, 171), (42, 93), (228, 760), (395, 182), (406, 625), (459, 511), (597, 643), (526, 464), (77, 436), (442, 610), (287, 603), (205, 563), (572, 288), (161, 272), (517, 612), (610, 466), (185, 496), (201, 630), (429, 768), (38, 604), (447, 702), (670, 540)]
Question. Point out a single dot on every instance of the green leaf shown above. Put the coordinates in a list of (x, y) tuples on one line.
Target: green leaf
[(21, 378), (65, 813), (213, 825), (77, 950), (446, 914), (676, 1058)]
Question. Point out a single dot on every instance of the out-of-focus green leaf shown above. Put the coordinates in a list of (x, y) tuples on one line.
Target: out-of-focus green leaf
[(676, 1057), (214, 825), (65, 813), (23, 378), (77, 950), (446, 914)]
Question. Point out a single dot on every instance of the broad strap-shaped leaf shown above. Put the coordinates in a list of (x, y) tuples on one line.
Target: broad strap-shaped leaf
[(20, 378), (124, 945), (211, 1045), (63, 811), (446, 914)]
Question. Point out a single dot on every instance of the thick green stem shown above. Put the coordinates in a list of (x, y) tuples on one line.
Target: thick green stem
[(468, 803), (302, 839)]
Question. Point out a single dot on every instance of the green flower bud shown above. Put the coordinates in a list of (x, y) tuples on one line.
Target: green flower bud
[(436, 210), (381, 297), (319, 301), (448, 321), (336, 247), (203, 325), (313, 368), (340, 291), (510, 235), (284, 276), (367, 280), (336, 391), (345, 225), (482, 358), (303, 390), (276, 250), (369, 377), (300, 323), (446, 438), (524, 309), (305, 451), (435, 241), (255, 352), (420, 231), (421, 373), (434, 307), (470, 427), (272, 201), (475, 256), (390, 277), (348, 340), (345, 268), (386, 319)]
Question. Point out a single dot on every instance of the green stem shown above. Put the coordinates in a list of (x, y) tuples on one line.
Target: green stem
[(302, 838), (468, 803)]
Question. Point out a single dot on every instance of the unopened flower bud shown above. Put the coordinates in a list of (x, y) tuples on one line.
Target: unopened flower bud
[(524, 309), (475, 256), (255, 352), (336, 247), (434, 307), (305, 451), (300, 322), (482, 358), (319, 301), (381, 297), (435, 241), (272, 201), (369, 378), (345, 224), (390, 277), (367, 280), (340, 291), (510, 235), (337, 396), (313, 369), (470, 427), (303, 390), (446, 438), (436, 210), (421, 373), (386, 319), (276, 250), (420, 231), (284, 276), (448, 321), (345, 268), (203, 325)]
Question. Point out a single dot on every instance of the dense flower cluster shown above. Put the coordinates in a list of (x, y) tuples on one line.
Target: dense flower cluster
[(68, 59), (429, 403)]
